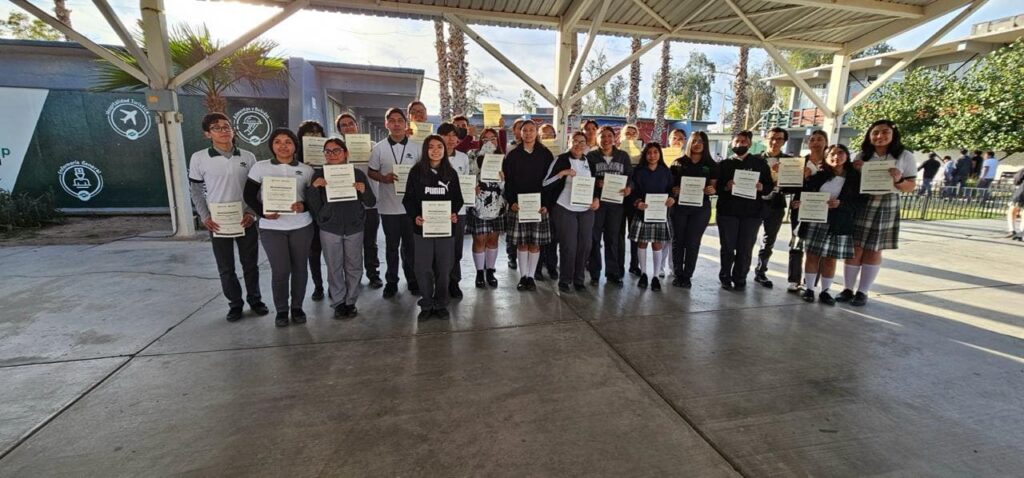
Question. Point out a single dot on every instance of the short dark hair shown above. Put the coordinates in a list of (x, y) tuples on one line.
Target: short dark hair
[(337, 121), (445, 128), (963, 151), (602, 129), (414, 103), (283, 131), (338, 141), (785, 134), (991, 153), (460, 118), (978, 152), (745, 133), (392, 111), (583, 125), (212, 118), (309, 126)]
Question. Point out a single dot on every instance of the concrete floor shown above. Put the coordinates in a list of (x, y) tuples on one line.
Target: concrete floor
[(115, 360)]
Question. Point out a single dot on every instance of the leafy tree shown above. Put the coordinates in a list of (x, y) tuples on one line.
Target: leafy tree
[(20, 27), (527, 102), (689, 83), (761, 94), (609, 98), (634, 84), (915, 104), (478, 88), (739, 89)]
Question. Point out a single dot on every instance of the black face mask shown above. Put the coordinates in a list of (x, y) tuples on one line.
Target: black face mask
[(461, 132), (740, 150)]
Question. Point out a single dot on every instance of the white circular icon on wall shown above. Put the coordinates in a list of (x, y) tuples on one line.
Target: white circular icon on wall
[(80, 179), (252, 125), (129, 118)]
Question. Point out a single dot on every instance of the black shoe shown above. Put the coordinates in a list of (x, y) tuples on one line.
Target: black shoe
[(341, 311), (726, 283), (845, 296), (512, 262), (424, 315), (859, 299), (563, 287), (553, 273), (442, 314), (480, 284), (655, 284), (739, 285), (826, 298), (642, 283), (539, 275), (234, 314), (259, 308), (454, 291), (414, 288), (375, 282), (635, 271), (807, 295), (531, 284), (681, 282), (1019, 238), (594, 281), (579, 286), (491, 280), (390, 290), (281, 320), (523, 284), (318, 294), (616, 280), (352, 311), (763, 280), (298, 316)]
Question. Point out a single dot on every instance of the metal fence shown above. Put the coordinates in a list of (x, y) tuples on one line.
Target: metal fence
[(952, 202)]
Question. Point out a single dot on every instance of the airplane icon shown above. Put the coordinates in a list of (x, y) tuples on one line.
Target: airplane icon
[(129, 115)]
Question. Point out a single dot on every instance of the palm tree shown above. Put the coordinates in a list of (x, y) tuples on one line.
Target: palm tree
[(60, 9), (577, 107), (739, 91), (457, 70), (251, 66), (442, 70), (662, 94), (634, 84)]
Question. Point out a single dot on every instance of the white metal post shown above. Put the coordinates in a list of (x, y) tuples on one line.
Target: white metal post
[(565, 39), (836, 98)]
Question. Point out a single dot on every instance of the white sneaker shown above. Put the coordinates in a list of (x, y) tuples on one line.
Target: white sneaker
[(794, 287)]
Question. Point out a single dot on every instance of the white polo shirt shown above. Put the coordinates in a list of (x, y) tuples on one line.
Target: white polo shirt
[(303, 175), (224, 177), (383, 158), (462, 166)]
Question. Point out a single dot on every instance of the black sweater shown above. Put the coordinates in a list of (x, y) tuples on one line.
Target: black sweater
[(344, 217), (437, 187), (840, 219), (705, 168), (553, 190), (525, 172), (729, 205)]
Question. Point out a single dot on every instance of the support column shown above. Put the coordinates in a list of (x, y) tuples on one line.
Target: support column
[(565, 40), (836, 99)]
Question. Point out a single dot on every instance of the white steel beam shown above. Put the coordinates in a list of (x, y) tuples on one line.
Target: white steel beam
[(582, 57), (846, 25), (650, 11), (573, 14), (836, 100), (696, 12), (934, 10), (733, 18), (129, 43), (618, 67), (874, 7)]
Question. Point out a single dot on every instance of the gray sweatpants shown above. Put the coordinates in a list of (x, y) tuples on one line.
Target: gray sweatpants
[(575, 237), (434, 259), (344, 256), (288, 253)]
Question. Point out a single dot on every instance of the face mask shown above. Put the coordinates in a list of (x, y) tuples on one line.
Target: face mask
[(488, 148), (740, 150), (461, 133)]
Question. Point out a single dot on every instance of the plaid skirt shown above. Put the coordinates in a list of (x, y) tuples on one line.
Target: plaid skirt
[(477, 226), (538, 233), (877, 225), (640, 231), (816, 239)]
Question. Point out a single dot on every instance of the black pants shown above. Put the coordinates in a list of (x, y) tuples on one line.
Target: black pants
[(688, 225), (608, 225), (398, 232), (458, 244), (772, 225), (737, 236), (315, 251), (248, 255), (370, 258), (549, 251), (796, 254), (433, 266)]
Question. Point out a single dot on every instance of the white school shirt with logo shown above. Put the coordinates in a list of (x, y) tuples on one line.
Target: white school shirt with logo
[(905, 163), (382, 160), (303, 175), (462, 166), (223, 177)]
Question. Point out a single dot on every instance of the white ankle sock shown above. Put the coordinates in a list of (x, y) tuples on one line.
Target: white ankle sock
[(658, 263), (533, 261), (809, 280), (478, 260), (868, 275), (826, 282), (642, 261), (490, 257), (523, 257), (850, 274)]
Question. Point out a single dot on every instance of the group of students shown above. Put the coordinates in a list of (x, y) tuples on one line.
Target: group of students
[(570, 239)]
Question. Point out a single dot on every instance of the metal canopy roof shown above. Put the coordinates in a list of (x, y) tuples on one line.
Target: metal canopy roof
[(828, 25)]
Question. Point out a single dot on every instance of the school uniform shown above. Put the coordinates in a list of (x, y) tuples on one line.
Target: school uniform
[(609, 219), (435, 255), (573, 224), (646, 181), (525, 173), (398, 228), (739, 218), (342, 226), (462, 165), (834, 239), (487, 214), (371, 224), (690, 222), (878, 222), (774, 214), (216, 177), (287, 239)]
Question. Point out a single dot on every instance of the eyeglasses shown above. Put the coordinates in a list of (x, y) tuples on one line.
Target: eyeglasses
[(333, 151), (579, 141), (220, 129)]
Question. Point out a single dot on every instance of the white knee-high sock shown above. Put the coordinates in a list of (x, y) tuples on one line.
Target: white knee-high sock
[(1012, 223), (490, 257), (642, 254), (850, 274), (809, 280), (478, 260), (658, 263), (666, 256), (523, 257), (826, 282), (867, 276), (534, 259)]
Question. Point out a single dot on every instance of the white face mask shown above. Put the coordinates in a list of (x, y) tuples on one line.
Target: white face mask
[(488, 148)]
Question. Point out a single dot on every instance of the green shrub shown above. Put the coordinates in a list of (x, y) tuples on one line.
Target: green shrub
[(23, 210)]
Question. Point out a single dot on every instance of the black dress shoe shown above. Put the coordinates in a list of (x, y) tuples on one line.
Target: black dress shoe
[(539, 275), (414, 288), (616, 280), (318, 294), (635, 271), (739, 285), (341, 311), (480, 284), (579, 286), (531, 284), (845, 296), (424, 315), (259, 308), (352, 311), (655, 284), (281, 320), (390, 290), (563, 287), (553, 273), (491, 280), (826, 298), (234, 314), (454, 291), (442, 314), (512, 262), (807, 295), (763, 280), (859, 299), (522, 284), (298, 316), (642, 283), (375, 282), (681, 282), (727, 285)]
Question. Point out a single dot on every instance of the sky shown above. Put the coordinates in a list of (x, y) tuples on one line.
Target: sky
[(410, 43)]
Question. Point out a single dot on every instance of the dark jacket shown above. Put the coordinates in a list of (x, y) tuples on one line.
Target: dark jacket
[(430, 185), (840, 219), (553, 190), (729, 205), (342, 218), (620, 164), (646, 181), (777, 200), (525, 172), (931, 167), (706, 168), (1018, 183)]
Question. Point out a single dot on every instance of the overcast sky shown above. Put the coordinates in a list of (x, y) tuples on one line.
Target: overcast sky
[(409, 43)]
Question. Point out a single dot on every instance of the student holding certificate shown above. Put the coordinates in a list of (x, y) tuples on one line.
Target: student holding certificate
[(486, 219), (689, 220), (217, 176), (396, 150), (610, 219), (878, 222), (346, 124), (313, 129), (525, 168), (825, 242), (341, 225), (739, 217), (652, 178), (817, 142), (433, 179), (573, 216), (629, 141), (462, 166), (775, 206), (468, 140), (416, 112), (590, 128), (549, 252), (286, 236)]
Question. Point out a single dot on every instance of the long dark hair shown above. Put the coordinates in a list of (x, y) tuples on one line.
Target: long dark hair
[(895, 149), (444, 170), (661, 155), (705, 154), (286, 132)]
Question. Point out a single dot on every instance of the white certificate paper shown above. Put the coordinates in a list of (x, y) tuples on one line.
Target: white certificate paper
[(671, 154), (402, 171), (228, 216), (278, 195), (359, 146), (814, 207), (791, 172), (691, 190), (875, 177), (492, 114), (313, 150), (437, 218), (613, 183), (656, 210), (582, 193), (341, 179), (420, 131), (529, 207), (467, 183), (490, 168), (551, 144), (745, 184)]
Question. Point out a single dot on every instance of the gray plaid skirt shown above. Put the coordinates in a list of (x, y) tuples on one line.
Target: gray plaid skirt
[(538, 233), (816, 239), (877, 224), (640, 231), (477, 226)]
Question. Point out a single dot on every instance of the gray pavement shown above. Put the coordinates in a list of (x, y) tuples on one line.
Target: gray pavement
[(115, 360)]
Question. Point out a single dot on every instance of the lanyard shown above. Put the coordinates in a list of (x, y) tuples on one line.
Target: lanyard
[(403, 152)]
